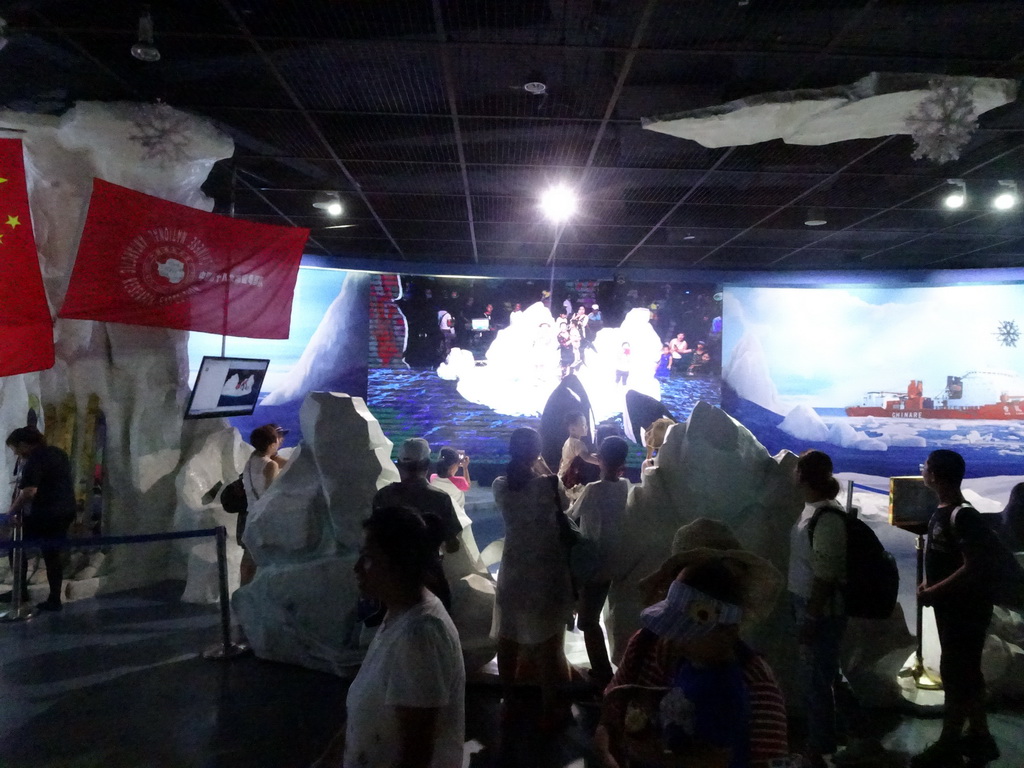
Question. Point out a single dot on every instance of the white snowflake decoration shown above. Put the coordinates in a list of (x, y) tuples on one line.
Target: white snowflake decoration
[(163, 134), (1008, 333), (943, 122)]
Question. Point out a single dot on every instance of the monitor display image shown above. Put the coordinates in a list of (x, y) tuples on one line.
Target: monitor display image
[(226, 386), (480, 324)]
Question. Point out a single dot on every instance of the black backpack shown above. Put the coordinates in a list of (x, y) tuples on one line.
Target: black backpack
[(872, 578), (1003, 573), (233, 498)]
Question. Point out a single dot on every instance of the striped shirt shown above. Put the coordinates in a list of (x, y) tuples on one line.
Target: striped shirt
[(645, 663)]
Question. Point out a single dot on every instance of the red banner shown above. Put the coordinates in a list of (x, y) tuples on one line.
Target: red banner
[(147, 261), (26, 328)]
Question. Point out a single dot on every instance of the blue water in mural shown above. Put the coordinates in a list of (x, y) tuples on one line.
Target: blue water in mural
[(989, 447), (418, 403)]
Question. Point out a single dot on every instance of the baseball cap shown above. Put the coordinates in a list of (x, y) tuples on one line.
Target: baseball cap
[(414, 450)]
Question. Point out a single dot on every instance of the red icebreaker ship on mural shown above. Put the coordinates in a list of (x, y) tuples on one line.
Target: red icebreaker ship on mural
[(992, 395)]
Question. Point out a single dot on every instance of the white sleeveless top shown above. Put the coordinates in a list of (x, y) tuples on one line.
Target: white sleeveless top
[(253, 479)]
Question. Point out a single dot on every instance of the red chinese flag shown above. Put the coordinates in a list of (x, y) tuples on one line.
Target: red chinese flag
[(26, 328), (147, 261)]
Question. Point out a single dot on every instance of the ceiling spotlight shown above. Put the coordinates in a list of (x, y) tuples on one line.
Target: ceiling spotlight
[(958, 197), (329, 202), (1008, 198), (558, 203), (144, 49), (535, 85), (815, 218)]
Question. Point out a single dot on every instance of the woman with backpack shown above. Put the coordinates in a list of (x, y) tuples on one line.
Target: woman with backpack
[(259, 472), (817, 571)]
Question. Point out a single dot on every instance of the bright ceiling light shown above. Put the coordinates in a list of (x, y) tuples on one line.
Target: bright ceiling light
[(144, 49), (1008, 198), (958, 197), (815, 218), (558, 203), (329, 202)]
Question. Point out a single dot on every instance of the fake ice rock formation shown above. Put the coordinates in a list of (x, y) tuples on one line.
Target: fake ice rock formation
[(138, 376), (712, 466), (876, 105), (305, 533)]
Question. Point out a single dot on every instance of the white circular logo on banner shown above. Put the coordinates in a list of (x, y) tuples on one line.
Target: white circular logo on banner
[(162, 265)]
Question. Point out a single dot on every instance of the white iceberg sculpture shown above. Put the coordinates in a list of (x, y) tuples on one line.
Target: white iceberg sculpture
[(876, 105)]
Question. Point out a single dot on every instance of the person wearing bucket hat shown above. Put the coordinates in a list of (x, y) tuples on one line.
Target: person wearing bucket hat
[(705, 539), (718, 698)]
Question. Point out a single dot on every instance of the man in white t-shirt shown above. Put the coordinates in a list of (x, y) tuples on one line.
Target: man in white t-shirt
[(413, 668), (601, 510), (406, 706)]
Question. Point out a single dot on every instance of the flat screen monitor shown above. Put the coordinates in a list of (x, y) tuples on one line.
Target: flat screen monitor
[(480, 323), (226, 386)]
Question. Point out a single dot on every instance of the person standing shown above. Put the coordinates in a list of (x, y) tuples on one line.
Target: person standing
[(45, 503), (258, 473), (413, 490), (406, 706), (817, 572), (724, 705), (446, 327), (955, 585), (622, 364), (533, 600), (600, 511), (575, 453)]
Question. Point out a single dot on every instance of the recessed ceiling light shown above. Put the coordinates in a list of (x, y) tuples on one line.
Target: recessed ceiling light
[(815, 218), (145, 49), (1008, 198), (958, 197), (329, 202), (690, 237), (536, 88)]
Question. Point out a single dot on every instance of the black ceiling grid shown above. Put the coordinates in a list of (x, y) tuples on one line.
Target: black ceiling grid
[(415, 111)]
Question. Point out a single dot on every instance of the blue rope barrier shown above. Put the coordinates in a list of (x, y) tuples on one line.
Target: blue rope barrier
[(869, 488), (96, 542)]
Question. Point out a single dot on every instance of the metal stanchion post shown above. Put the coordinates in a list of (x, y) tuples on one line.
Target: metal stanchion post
[(915, 665), (17, 611), (226, 649)]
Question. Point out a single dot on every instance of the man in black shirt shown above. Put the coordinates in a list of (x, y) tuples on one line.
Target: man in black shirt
[(413, 490), (45, 502), (956, 587)]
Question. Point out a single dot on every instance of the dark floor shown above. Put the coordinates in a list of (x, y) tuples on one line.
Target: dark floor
[(119, 681)]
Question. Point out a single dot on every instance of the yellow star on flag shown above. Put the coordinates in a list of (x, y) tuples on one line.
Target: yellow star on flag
[(2, 181), (12, 222)]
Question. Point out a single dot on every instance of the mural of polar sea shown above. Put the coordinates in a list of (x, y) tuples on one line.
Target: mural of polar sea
[(794, 359)]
